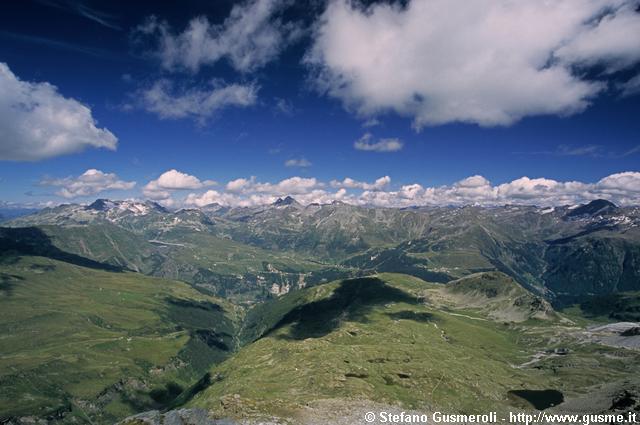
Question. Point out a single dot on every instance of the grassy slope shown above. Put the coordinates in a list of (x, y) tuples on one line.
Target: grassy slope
[(104, 242), (107, 344), (497, 296), (377, 339), (216, 265), (100, 342)]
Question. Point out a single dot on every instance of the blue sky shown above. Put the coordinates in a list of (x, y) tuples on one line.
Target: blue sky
[(238, 90)]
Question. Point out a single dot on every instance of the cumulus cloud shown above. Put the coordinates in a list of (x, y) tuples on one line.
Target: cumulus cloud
[(252, 35), (365, 143), (168, 102), (297, 162), (621, 188), (37, 122), (489, 63), (317, 196), (627, 181), (350, 183), (240, 184), (290, 186), (169, 181), (88, 183), (473, 182), (610, 40), (227, 199), (211, 197), (250, 192)]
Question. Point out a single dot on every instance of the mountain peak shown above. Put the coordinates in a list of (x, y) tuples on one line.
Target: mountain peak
[(286, 201), (105, 205), (156, 206), (101, 205), (597, 206)]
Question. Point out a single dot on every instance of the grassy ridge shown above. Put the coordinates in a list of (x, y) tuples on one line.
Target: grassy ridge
[(382, 339), (101, 344)]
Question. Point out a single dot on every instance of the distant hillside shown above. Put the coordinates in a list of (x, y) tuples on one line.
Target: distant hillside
[(212, 264), (499, 297), (10, 213), (252, 253), (84, 343), (599, 206)]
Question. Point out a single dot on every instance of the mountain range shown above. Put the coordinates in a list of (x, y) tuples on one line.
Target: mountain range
[(292, 313), (249, 252)]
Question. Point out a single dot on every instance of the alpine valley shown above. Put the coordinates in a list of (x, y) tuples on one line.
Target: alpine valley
[(308, 314)]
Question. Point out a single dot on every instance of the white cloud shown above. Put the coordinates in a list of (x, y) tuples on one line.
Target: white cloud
[(238, 185), (318, 196), (611, 40), (628, 182), (382, 145), (89, 183), (164, 100), (290, 186), (213, 197), (473, 182), (37, 122), (621, 188), (526, 189), (249, 192), (249, 38), (490, 63), (410, 191), (297, 162), (161, 188), (350, 183), (228, 199)]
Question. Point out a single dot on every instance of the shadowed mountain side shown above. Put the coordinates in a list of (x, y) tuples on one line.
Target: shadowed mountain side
[(395, 260), (598, 206), (420, 317), (351, 300), (7, 282), (623, 306), (33, 241)]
